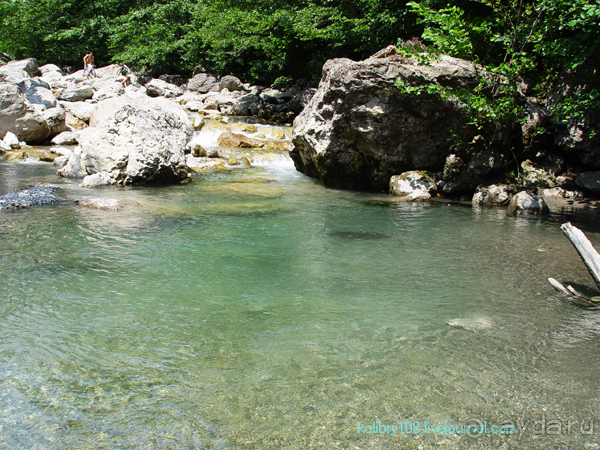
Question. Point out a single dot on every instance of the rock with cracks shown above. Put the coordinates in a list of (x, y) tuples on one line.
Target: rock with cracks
[(133, 141), (360, 128)]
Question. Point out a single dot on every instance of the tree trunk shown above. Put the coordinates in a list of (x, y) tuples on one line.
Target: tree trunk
[(586, 250)]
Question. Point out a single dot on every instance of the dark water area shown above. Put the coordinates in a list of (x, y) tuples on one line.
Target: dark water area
[(256, 309)]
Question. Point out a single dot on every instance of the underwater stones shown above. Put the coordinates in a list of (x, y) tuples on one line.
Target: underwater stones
[(263, 190), (27, 198), (271, 133), (525, 203), (413, 186), (30, 153), (472, 324), (278, 146), (106, 204), (234, 140), (245, 127)]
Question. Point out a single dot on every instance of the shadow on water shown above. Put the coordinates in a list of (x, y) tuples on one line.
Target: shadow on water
[(358, 235)]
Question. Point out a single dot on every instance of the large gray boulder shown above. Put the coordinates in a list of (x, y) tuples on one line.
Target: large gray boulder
[(525, 203), (359, 128), (38, 93), (19, 116), (108, 89), (76, 93), (231, 83), (51, 73), (133, 141), (16, 71), (55, 119), (493, 195), (81, 110), (413, 186), (590, 181), (160, 88), (203, 83), (482, 164)]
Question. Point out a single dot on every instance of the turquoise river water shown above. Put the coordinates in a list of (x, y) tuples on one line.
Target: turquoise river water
[(256, 309)]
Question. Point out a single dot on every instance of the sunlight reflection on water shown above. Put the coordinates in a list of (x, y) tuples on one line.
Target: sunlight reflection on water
[(278, 315)]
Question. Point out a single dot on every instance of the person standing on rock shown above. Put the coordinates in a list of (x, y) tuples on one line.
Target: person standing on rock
[(123, 74), (88, 65)]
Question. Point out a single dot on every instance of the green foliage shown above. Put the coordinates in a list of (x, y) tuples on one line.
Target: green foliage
[(445, 29), (491, 101), (537, 41), (283, 82), (255, 40), (152, 36)]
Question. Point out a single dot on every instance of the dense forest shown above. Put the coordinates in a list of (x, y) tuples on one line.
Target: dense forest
[(263, 40)]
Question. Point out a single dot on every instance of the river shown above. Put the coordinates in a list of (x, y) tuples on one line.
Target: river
[(255, 309)]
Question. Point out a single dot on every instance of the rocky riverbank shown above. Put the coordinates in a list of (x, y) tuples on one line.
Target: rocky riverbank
[(105, 132), (358, 130), (382, 124)]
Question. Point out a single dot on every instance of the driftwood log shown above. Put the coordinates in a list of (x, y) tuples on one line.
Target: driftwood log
[(590, 258)]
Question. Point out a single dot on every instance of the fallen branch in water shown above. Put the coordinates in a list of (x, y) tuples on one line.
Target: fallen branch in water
[(590, 258)]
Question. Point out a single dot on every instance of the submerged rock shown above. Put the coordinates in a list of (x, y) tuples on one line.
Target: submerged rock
[(106, 204), (475, 324), (30, 197)]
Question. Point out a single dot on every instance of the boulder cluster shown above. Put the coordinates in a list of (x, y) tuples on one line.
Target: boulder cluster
[(381, 124), (378, 124), (123, 133)]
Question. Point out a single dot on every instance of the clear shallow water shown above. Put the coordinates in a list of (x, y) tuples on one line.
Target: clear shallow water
[(256, 309)]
